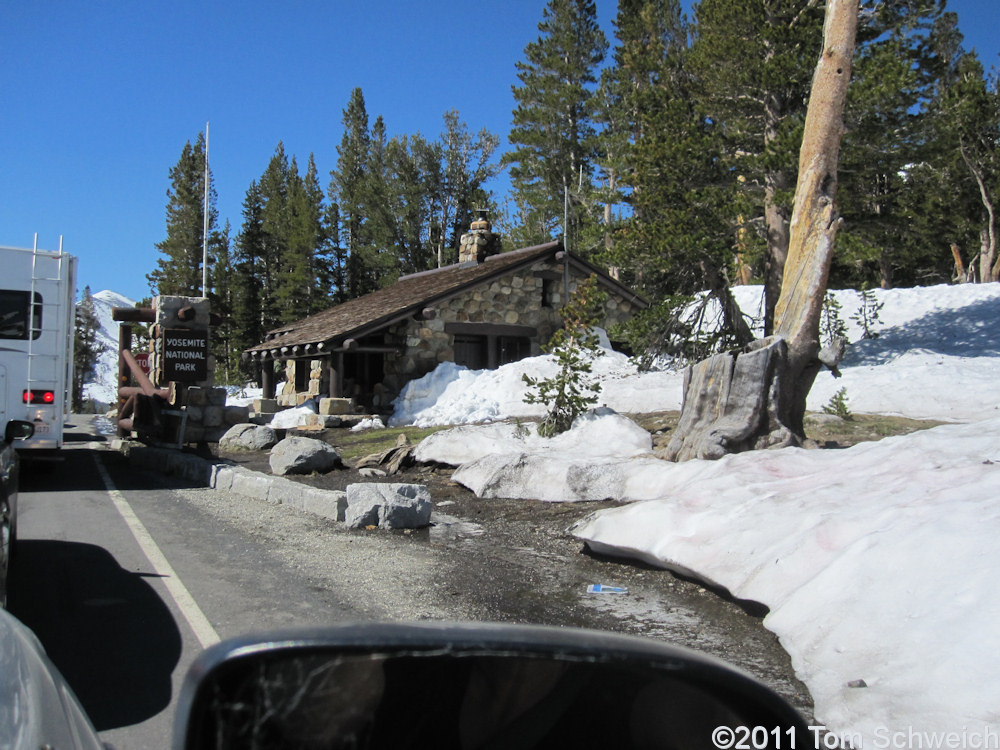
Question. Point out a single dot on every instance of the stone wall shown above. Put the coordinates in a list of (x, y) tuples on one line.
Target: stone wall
[(516, 299), (208, 417)]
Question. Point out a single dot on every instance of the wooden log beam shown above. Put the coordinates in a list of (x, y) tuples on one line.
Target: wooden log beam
[(130, 390), (137, 372), (133, 314)]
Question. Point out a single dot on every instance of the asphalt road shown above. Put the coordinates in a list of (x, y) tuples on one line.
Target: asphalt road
[(104, 612), (125, 576)]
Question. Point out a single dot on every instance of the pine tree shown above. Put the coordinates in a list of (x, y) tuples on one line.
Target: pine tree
[(275, 232), (867, 315), (313, 227), (410, 161), (831, 324), (248, 318), (221, 282), (646, 74), (683, 223), (553, 133), (649, 123), (296, 285), (464, 163), (333, 269), (377, 263), (838, 406), (348, 190), (179, 271), (895, 72), (939, 205), (85, 347), (971, 109)]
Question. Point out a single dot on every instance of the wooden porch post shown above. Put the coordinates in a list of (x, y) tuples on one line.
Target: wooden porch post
[(332, 376), (267, 378)]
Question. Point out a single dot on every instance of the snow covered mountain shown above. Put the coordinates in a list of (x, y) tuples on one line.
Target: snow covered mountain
[(103, 387)]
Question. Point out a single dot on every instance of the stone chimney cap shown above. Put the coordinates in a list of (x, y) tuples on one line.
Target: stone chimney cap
[(482, 222)]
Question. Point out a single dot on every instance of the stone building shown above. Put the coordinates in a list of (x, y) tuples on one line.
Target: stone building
[(489, 309)]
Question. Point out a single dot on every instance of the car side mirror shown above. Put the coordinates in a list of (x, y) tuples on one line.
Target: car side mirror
[(472, 686), (18, 429)]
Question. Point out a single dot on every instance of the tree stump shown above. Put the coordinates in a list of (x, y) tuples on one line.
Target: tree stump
[(733, 402)]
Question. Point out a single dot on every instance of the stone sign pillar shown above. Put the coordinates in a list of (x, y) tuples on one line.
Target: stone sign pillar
[(180, 359)]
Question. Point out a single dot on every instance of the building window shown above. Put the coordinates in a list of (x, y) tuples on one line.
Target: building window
[(14, 315), (512, 349), (489, 351), (547, 292), (471, 351), (486, 346)]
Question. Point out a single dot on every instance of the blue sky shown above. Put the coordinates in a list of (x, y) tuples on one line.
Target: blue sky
[(97, 100)]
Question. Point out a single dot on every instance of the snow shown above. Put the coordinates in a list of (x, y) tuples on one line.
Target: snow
[(878, 563), (243, 395), (103, 388), (287, 419), (369, 423), (452, 394)]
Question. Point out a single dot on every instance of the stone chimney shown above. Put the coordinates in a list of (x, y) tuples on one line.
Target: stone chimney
[(480, 242)]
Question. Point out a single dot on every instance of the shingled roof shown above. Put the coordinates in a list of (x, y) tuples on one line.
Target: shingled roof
[(409, 295)]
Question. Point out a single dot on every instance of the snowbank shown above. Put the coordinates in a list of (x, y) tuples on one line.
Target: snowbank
[(298, 416), (503, 460), (452, 394), (878, 563)]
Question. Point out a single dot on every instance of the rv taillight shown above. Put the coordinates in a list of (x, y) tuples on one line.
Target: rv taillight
[(39, 397)]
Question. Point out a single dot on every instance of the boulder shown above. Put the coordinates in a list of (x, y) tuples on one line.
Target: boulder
[(248, 437), (388, 506), (302, 455)]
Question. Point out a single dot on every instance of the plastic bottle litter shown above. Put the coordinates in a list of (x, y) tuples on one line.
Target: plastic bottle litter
[(597, 588)]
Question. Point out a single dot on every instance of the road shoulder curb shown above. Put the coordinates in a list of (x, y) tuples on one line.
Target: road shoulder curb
[(224, 477)]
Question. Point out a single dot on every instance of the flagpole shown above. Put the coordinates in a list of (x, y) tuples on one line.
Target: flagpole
[(204, 231)]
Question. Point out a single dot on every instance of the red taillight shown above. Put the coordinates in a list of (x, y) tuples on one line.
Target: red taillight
[(39, 397)]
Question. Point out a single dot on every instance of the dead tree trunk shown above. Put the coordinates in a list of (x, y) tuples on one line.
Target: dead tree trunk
[(757, 397)]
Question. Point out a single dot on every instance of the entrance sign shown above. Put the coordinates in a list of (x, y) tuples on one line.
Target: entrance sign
[(185, 354)]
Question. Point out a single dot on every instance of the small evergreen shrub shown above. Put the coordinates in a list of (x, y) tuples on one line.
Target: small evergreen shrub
[(867, 315), (570, 392), (831, 325), (838, 406)]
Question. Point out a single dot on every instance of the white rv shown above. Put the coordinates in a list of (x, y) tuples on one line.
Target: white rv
[(37, 313)]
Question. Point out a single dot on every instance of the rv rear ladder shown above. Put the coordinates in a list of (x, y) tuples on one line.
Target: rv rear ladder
[(48, 311)]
